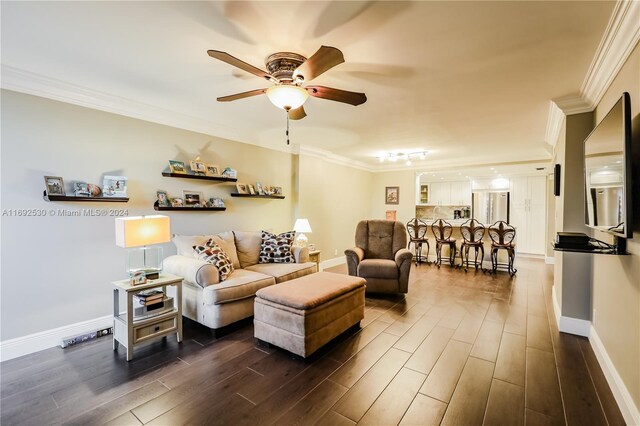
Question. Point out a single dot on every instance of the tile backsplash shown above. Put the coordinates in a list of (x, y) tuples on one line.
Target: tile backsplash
[(442, 212)]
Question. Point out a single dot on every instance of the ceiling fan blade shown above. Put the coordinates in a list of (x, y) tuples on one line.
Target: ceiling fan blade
[(297, 114), (242, 95), (324, 59), (352, 98), (232, 60)]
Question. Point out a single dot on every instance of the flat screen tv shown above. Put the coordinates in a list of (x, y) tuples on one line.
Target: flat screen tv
[(607, 170)]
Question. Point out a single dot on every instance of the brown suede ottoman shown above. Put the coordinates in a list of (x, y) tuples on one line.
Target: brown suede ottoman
[(303, 314)]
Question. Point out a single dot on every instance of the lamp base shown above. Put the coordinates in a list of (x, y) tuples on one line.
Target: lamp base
[(301, 240), (145, 259)]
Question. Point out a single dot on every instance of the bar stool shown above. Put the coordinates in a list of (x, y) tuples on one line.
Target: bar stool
[(417, 230), (472, 233), (442, 231), (502, 235)]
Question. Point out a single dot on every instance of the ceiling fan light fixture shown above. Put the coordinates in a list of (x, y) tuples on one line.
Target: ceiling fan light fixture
[(287, 96)]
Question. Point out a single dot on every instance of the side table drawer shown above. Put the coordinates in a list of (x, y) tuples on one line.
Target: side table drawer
[(142, 333)]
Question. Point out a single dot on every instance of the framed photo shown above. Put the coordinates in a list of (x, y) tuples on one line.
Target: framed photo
[(392, 195), (277, 190), (259, 188), (114, 186), (216, 202), (80, 189), (138, 277), (251, 189), (197, 167), (94, 190), (55, 185), (177, 167), (242, 188), (212, 170), (163, 199), (192, 198), (391, 215), (176, 202)]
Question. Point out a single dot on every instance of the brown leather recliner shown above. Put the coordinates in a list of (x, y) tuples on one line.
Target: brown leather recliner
[(380, 256)]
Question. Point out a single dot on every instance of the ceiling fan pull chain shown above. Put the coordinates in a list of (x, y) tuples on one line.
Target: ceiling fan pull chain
[(287, 127)]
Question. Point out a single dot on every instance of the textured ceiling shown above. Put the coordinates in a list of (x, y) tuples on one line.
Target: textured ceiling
[(469, 81)]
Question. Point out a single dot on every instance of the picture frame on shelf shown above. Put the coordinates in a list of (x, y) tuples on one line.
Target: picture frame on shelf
[(277, 190), (94, 190), (259, 188), (114, 186), (197, 167), (216, 202), (80, 189), (230, 173), (242, 188), (212, 170), (192, 198), (177, 202), (177, 167), (251, 189), (55, 185), (392, 195), (163, 199)]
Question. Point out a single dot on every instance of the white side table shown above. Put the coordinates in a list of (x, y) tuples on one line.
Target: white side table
[(129, 330), (314, 256)]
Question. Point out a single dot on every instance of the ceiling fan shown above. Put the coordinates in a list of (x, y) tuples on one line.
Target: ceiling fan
[(289, 71)]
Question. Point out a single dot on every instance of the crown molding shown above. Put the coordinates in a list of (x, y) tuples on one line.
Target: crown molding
[(31, 83), (619, 40), (333, 158), (554, 124)]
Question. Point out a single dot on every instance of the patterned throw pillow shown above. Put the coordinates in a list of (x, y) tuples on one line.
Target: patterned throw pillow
[(212, 253), (277, 248)]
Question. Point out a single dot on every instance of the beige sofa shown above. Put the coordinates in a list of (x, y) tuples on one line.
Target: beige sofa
[(216, 304)]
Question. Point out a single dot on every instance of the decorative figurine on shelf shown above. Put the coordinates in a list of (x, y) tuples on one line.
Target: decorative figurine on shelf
[(94, 190)]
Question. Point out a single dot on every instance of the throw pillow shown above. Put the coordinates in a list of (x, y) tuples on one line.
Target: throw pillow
[(212, 253), (277, 248)]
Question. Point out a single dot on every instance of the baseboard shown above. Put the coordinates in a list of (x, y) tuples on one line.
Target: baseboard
[(550, 260), (25, 345), (330, 263), (569, 325), (625, 402)]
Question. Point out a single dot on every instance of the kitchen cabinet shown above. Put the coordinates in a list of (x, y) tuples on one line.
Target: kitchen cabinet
[(528, 213), (461, 193), (440, 194)]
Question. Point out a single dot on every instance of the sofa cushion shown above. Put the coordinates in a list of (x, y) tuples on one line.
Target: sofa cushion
[(277, 248), (185, 243), (212, 253), (248, 247), (239, 285), (378, 268), (227, 243), (285, 271)]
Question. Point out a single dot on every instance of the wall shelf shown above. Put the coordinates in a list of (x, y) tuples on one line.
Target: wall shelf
[(188, 209), (72, 198), (199, 177), (276, 197)]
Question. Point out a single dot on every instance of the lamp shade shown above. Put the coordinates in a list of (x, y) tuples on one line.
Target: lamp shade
[(287, 96), (142, 230), (302, 225)]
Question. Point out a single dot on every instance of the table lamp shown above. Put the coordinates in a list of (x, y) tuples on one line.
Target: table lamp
[(136, 234), (301, 225)]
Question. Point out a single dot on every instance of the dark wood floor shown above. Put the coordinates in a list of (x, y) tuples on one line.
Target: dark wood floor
[(459, 349)]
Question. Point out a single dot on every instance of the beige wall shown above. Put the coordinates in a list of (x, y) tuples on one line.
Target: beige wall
[(56, 270), (334, 198), (406, 208), (616, 279)]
